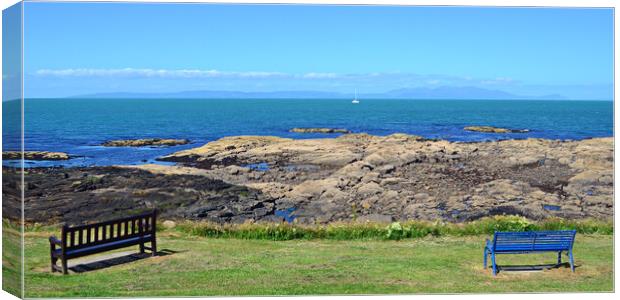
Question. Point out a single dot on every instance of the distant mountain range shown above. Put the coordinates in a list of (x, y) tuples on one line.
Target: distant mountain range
[(443, 92)]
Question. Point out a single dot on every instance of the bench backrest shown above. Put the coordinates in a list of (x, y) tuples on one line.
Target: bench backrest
[(76, 237), (534, 240)]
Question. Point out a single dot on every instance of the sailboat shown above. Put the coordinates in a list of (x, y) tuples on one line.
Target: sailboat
[(355, 101)]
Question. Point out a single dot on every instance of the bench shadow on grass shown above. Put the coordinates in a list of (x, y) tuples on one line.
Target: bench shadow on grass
[(533, 268), (115, 261)]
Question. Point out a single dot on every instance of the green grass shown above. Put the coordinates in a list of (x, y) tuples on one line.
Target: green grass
[(11, 258), (225, 266)]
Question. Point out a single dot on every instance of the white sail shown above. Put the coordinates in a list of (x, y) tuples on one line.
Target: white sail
[(355, 101)]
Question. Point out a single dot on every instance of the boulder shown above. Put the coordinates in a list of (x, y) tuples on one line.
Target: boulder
[(390, 197), (382, 157), (386, 169), (169, 224), (312, 188), (369, 188), (371, 177), (391, 181), (376, 218), (235, 170)]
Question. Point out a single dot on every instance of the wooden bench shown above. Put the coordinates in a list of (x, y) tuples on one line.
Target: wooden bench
[(530, 242), (82, 240)]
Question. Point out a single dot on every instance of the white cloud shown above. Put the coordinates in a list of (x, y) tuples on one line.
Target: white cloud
[(320, 75), (180, 73), (397, 79), (498, 80), (162, 73)]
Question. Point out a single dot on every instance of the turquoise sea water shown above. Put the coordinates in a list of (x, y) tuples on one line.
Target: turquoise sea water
[(79, 126)]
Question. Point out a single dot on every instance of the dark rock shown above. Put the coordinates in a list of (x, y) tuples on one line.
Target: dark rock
[(103, 193), (319, 130), (145, 142)]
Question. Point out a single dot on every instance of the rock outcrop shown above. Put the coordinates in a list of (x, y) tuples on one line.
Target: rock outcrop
[(408, 177), (491, 129), (319, 130), (35, 155), (145, 142)]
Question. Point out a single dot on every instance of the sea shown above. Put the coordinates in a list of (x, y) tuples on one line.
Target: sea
[(79, 126)]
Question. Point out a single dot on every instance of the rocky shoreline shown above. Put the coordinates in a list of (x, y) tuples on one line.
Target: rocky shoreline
[(35, 155), (352, 177)]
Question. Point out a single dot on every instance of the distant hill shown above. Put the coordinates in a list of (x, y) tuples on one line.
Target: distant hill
[(219, 94), (465, 92), (443, 92)]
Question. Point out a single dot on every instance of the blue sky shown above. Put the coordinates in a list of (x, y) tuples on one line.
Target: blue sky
[(81, 48), (11, 53)]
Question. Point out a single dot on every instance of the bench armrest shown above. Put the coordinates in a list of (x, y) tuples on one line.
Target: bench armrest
[(488, 245), (55, 241)]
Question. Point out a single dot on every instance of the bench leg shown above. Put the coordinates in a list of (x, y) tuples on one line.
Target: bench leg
[(153, 247), (572, 261), (65, 270), (53, 259), (53, 264), (560, 258), (485, 258), (494, 264), (141, 248)]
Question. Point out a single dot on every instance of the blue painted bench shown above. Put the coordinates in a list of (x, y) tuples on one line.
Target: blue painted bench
[(530, 242)]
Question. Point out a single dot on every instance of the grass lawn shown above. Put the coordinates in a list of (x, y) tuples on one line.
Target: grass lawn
[(11, 258), (207, 266)]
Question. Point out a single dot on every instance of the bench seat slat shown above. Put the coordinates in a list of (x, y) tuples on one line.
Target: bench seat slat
[(533, 241), (103, 247)]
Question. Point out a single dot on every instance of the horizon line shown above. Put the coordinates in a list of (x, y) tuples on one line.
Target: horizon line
[(294, 98)]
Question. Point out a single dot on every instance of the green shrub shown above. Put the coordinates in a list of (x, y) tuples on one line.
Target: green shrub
[(394, 231)]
